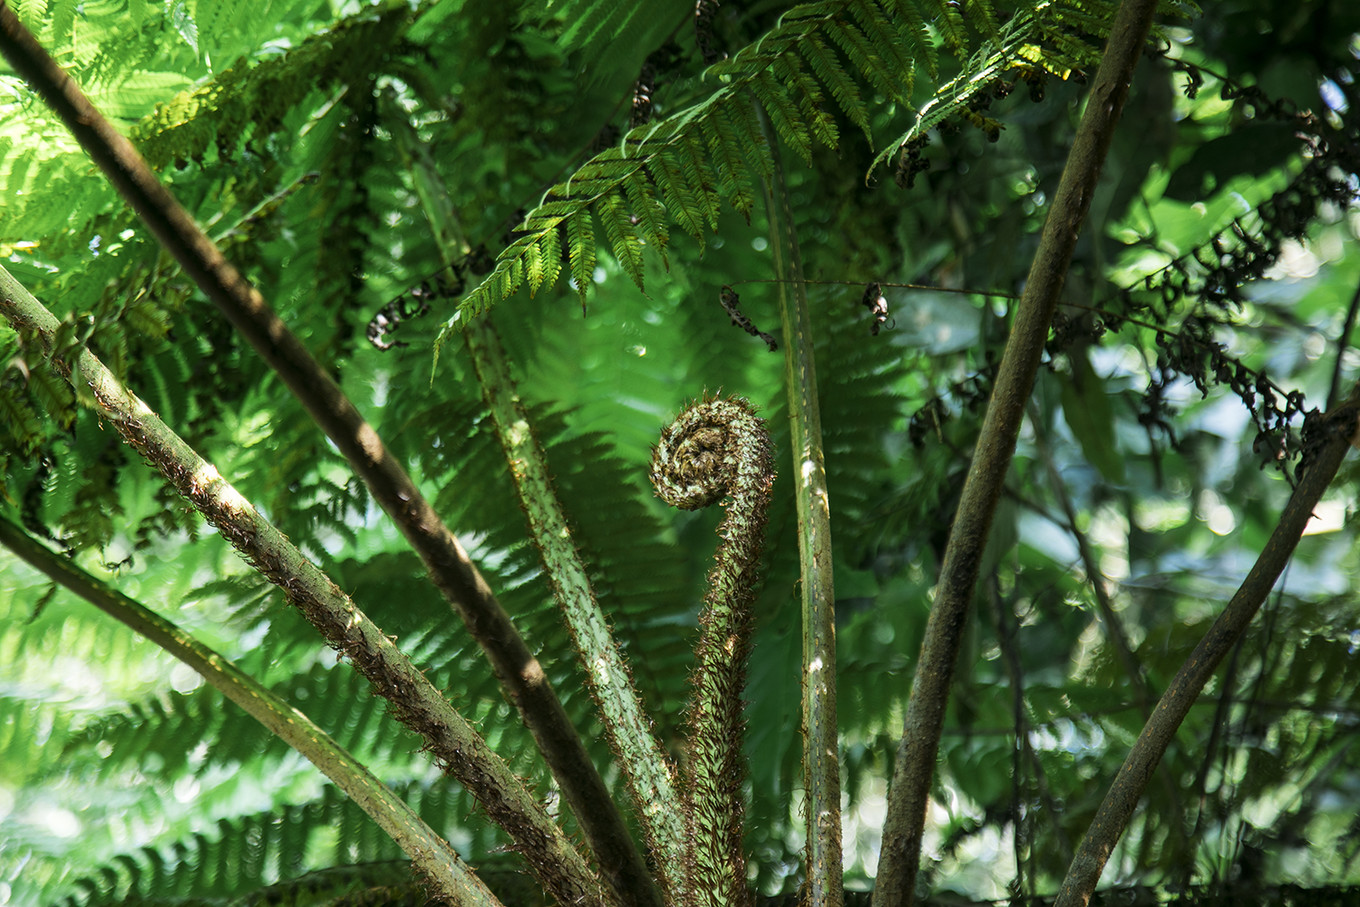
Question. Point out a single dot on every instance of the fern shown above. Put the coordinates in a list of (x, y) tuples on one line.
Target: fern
[(253, 101), (818, 55), (257, 857)]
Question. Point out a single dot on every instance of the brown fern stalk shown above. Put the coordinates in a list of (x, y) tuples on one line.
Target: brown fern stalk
[(719, 449), (900, 857)]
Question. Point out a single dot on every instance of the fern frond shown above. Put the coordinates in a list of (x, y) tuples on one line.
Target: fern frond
[(688, 152), (789, 69), (860, 51), (598, 18), (622, 235), (1060, 53), (248, 854), (895, 44), (733, 173), (746, 120), (825, 64), (539, 259), (649, 212), (55, 394), (581, 250), (253, 101), (20, 418), (689, 162), (674, 189), (949, 22), (783, 114)]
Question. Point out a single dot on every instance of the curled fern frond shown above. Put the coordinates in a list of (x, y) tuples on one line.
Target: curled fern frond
[(713, 450)]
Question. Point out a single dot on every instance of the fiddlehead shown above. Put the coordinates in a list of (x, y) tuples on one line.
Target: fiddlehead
[(714, 449)]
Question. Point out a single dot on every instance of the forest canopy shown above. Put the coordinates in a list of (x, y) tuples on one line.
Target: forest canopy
[(339, 340)]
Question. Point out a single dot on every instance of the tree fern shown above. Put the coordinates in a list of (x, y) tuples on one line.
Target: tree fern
[(710, 152)]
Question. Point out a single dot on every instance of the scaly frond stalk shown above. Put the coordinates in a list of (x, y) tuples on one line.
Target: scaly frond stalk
[(452, 572), (449, 879), (414, 700), (1115, 811), (630, 732), (650, 778), (900, 857), (719, 449), (821, 752)]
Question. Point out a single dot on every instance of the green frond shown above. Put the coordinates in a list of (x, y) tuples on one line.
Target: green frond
[(262, 853), (726, 150), (62, 14), (690, 159), (675, 191), (252, 102), (31, 12), (949, 24), (1058, 52), (19, 417), (811, 100), (649, 212), (511, 277), (826, 64), (221, 18), (864, 56), (592, 21), (544, 260), (949, 21), (895, 46), (783, 114), (54, 394), (581, 252), (622, 235), (688, 152), (746, 124), (1091, 19), (599, 29)]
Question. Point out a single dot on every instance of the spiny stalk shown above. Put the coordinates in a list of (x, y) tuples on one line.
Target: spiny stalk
[(719, 449)]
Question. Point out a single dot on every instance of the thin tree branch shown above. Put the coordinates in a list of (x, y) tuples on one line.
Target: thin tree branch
[(821, 748), (452, 572), (916, 754), (415, 701), (448, 878), (1120, 801)]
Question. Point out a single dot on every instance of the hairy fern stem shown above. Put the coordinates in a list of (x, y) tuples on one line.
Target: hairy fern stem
[(719, 449)]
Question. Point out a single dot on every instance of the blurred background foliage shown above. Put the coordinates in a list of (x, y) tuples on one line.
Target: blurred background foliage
[(1211, 306)]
